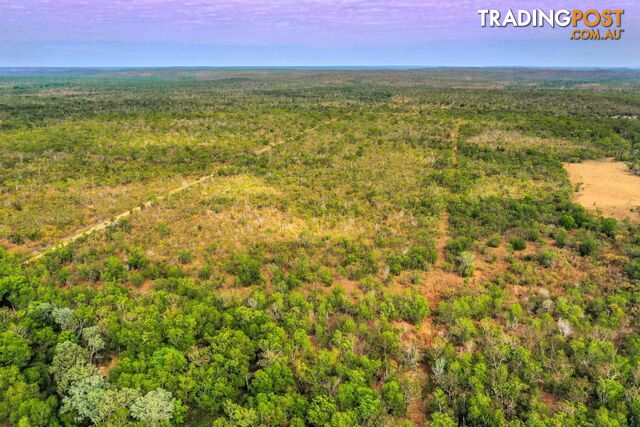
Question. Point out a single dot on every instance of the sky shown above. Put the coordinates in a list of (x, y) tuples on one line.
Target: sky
[(142, 33)]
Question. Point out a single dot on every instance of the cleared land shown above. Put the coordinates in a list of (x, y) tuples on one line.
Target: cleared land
[(606, 185)]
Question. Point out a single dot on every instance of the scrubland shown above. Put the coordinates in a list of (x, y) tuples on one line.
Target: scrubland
[(368, 248)]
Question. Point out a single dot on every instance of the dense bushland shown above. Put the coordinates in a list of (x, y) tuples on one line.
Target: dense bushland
[(373, 248)]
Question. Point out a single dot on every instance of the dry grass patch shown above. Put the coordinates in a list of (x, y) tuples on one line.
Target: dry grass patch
[(226, 215), (606, 185), (54, 211), (510, 140), (509, 187)]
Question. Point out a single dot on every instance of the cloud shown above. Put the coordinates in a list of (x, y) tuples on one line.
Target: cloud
[(340, 24), (240, 21)]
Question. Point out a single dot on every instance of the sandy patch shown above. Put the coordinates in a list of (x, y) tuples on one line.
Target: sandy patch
[(606, 185), (106, 367)]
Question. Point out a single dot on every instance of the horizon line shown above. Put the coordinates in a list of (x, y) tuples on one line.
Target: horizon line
[(329, 67)]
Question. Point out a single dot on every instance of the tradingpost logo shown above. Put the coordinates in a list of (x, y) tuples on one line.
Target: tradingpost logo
[(587, 24)]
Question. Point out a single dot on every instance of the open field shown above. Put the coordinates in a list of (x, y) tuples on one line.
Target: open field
[(315, 247), (607, 185)]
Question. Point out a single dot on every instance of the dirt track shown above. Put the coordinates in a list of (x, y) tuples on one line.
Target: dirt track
[(114, 220), (607, 185)]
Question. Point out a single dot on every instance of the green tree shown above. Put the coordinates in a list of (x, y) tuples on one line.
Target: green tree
[(70, 364), (272, 379), (321, 409), (439, 419), (114, 270), (14, 350), (237, 416), (64, 317), (394, 398), (155, 407), (246, 269), (94, 340), (91, 399)]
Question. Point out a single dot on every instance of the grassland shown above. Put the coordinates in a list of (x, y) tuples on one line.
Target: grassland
[(368, 248)]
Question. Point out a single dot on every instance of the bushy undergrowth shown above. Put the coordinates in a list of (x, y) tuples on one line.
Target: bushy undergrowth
[(371, 249)]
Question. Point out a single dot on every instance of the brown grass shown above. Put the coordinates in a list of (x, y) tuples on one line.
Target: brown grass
[(606, 185), (105, 368)]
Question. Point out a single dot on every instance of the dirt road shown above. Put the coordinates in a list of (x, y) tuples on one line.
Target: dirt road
[(114, 220)]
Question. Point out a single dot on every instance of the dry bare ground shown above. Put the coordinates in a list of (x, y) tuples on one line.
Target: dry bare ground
[(606, 185)]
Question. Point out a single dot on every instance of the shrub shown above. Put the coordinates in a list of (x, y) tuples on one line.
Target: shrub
[(163, 229), (205, 272), (518, 244), (587, 247), (325, 276), (246, 269), (174, 272), (393, 396), (582, 217), (457, 246), (137, 260), (609, 227), (301, 272), (16, 238), (114, 270), (567, 221), (417, 258), (463, 329), (439, 419), (464, 264), (54, 260), (64, 255), (185, 256), (63, 275), (34, 235), (157, 270), (412, 306), (395, 264), (136, 278), (532, 234), (359, 261), (632, 269), (89, 272), (561, 237), (547, 258), (124, 225), (494, 241)]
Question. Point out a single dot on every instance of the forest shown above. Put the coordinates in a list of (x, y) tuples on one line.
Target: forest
[(211, 247)]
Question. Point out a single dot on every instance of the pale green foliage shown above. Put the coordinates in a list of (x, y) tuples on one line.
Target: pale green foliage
[(442, 420), (84, 397), (93, 399), (70, 363), (237, 416), (94, 340), (465, 264), (64, 318), (154, 407)]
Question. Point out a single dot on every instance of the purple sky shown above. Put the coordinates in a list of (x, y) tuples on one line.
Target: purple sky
[(296, 32)]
